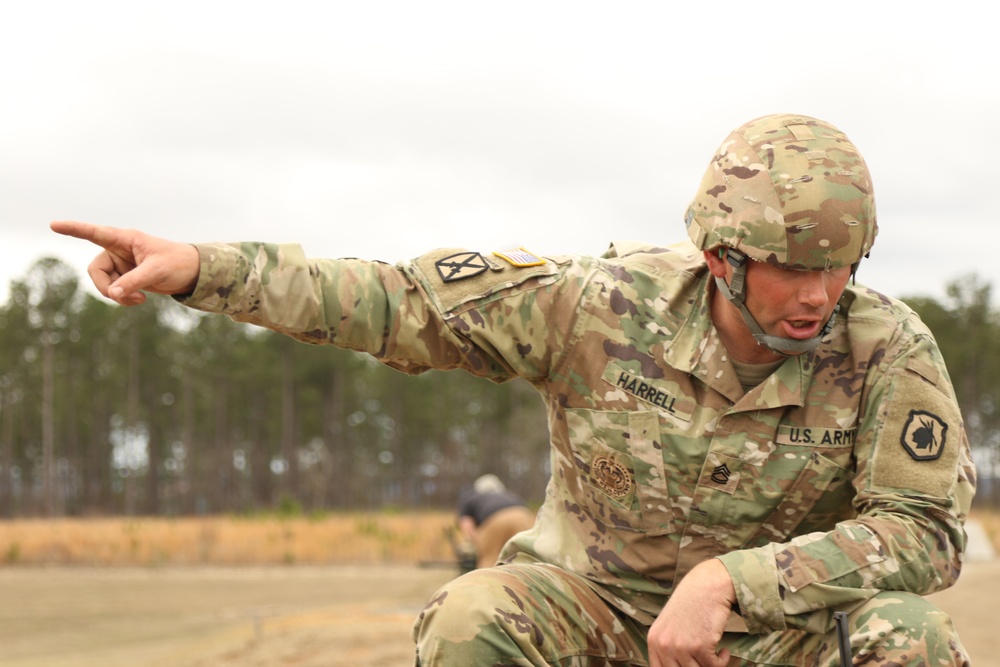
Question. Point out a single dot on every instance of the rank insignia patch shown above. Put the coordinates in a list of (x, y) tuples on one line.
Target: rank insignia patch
[(461, 266), (924, 435), (520, 257), (721, 474), (611, 476)]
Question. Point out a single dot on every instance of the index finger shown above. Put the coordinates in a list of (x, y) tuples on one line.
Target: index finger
[(97, 234)]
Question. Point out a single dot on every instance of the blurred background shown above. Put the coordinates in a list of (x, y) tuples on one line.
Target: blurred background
[(382, 130)]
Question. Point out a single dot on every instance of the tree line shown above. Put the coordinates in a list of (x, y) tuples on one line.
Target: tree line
[(160, 410)]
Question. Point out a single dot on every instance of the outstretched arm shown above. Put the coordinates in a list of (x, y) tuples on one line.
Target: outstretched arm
[(133, 261)]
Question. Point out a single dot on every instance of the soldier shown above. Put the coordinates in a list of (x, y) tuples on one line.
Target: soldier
[(742, 439), (489, 514)]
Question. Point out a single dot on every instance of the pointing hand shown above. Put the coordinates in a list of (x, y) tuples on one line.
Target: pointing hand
[(132, 261)]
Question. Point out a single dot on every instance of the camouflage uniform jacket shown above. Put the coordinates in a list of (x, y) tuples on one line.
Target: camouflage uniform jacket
[(847, 471)]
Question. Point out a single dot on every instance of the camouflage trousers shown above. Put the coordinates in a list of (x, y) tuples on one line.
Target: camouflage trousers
[(540, 615)]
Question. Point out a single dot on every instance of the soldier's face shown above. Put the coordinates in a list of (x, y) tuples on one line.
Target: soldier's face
[(793, 304), (785, 303)]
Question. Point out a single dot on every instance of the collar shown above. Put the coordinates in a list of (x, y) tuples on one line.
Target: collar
[(697, 349)]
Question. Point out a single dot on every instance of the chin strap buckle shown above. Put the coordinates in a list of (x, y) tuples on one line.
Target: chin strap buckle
[(738, 261)]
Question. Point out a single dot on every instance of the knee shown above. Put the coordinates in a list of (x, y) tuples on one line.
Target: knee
[(468, 601), (465, 621), (906, 628)]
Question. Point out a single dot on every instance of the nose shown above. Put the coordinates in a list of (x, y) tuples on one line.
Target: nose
[(813, 288)]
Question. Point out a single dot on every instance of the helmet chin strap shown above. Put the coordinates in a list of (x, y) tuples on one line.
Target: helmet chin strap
[(736, 294)]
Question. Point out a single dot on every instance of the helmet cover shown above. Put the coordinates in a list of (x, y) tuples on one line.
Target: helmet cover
[(789, 190)]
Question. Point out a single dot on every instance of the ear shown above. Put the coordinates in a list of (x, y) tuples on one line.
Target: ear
[(717, 265)]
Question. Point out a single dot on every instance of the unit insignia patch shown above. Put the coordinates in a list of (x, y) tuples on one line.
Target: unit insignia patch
[(461, 266), (924, 435)]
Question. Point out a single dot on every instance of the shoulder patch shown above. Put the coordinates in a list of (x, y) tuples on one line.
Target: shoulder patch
[(453, 277), (460, 266), (520, 257), (917, 449)]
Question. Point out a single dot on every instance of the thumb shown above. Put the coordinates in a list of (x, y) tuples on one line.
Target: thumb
[(125, 296), (128, 288)]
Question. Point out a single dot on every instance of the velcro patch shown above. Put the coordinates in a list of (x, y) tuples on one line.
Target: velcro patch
[(453, 277), (520, 257), (916, 448)]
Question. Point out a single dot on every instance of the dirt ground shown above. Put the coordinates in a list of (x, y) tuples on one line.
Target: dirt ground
[(281, 616)]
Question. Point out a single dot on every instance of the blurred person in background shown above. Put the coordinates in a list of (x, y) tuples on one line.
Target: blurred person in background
[(489, 514)]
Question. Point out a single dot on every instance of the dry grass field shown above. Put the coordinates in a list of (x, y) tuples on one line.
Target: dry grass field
[(227, 592), (333, 539)]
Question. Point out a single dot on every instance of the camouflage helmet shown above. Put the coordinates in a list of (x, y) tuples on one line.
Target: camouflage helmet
[(788, 190)]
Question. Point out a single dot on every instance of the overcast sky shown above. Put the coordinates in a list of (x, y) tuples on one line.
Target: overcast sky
[(384, 129)]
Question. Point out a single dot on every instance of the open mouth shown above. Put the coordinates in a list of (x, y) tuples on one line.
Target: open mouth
[(801, 329)]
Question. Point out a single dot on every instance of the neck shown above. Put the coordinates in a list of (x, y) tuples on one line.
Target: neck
[(735, 334)]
